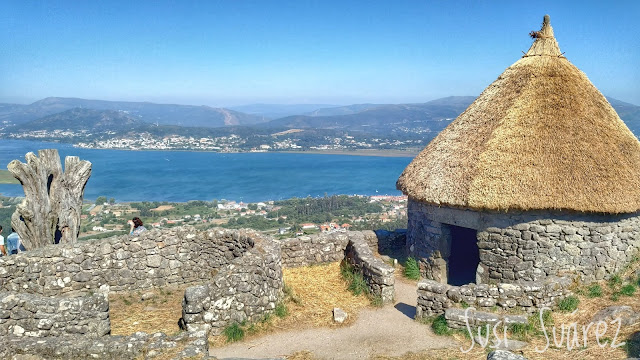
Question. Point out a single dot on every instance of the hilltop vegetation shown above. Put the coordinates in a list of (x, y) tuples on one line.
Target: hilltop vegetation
[(285, 218)]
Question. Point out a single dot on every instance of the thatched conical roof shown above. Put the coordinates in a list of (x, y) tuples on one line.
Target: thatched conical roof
[(539, 137)]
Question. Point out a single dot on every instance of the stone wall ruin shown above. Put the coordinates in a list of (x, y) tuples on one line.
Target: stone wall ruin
[(60, 291), (59, 294)]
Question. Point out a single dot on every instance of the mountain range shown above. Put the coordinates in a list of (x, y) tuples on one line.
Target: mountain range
[(118, 116), (161, 114)]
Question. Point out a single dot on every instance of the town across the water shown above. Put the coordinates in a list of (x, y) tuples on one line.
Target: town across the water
[(284, 218)]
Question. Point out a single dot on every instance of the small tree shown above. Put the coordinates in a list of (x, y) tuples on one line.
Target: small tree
[(101, 200)]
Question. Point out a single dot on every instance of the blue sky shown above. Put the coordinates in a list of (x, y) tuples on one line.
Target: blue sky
[(224, 53)]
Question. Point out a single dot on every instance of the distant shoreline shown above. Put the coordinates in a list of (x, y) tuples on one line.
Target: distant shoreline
[(357, 152), (362, 152)]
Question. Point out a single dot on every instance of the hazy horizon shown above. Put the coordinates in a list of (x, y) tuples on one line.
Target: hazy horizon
[(234, 53)]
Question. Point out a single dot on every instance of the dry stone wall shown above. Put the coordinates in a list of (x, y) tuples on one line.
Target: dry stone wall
[(180, 255), (135, 346), (246, 289), (378, 275), (40, 316), (435, 298), (528, 246)]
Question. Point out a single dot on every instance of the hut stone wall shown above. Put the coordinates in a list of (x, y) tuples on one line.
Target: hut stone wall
[(525, 246)]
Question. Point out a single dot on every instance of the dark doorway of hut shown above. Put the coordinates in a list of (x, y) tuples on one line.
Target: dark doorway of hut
[(465, 256)]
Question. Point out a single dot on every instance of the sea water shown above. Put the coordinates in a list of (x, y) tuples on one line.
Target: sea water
[(179, 176)]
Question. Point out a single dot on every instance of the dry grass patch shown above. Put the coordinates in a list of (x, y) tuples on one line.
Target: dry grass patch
[(313, 292), (316, 291), (129, 313)]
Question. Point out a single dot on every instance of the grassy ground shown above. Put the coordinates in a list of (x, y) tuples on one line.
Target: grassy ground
[(7, 178)]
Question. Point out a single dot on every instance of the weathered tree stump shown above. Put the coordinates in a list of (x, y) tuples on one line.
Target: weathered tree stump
[(50, 212)]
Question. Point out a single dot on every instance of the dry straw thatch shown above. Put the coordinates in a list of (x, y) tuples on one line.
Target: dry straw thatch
[(539, 137)]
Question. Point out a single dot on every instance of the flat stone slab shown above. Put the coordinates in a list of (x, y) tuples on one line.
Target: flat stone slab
[(504, 355), (339, 315), (625, 313)]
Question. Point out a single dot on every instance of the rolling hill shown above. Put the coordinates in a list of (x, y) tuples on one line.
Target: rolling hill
[(432, 116), (79, 119), (276, 111), (161, 114)]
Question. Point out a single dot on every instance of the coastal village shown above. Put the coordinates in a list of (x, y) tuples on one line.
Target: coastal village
[(108, 218), (281, 141), (234, 143)]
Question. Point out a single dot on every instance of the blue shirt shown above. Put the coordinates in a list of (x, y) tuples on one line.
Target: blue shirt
[(13, 242), (137, 231)]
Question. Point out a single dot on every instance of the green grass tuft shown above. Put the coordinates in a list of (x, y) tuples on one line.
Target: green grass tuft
[(376, 300), (615, 281), (628, 290), (568, 304), (594, 291), (357, 284), (520, 331), (534, 322), (234, 332), (281, 310), (411, 269), (440, 327)]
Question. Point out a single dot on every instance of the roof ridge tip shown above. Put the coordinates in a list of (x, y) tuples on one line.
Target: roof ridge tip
[(544, 40)]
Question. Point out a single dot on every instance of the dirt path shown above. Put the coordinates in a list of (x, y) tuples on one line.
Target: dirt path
[(390, 330)]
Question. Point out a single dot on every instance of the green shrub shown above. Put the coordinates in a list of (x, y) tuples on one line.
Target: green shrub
[(411, 269), (234, 332), (346, 270), (357, 284), (594, 291), (615, 281), (440, 327), (281, 310), (615, 296), (628, 290), (568, 304)]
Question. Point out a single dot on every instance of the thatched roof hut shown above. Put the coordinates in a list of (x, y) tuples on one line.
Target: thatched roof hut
[(539, 137)]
